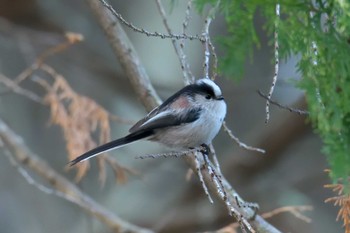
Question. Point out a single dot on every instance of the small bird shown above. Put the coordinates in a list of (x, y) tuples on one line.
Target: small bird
[(189, 118)]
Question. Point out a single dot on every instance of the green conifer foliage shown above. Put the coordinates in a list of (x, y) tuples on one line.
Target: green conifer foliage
[(317, 31)]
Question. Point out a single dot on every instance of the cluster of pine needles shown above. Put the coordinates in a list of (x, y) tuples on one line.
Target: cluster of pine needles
[(342, 200)]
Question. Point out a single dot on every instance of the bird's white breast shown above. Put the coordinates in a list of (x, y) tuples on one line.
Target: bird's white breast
[(193, 134)]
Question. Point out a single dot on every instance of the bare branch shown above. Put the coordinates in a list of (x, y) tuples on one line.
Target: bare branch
[(19, 90), (276, 48), (30, 179), (298, 111), (71, 39), (200, 176), (206, 42), (178, 49), (182, 41), (240, 144), (215, 159), (238, 211), (187, 16), (143, 31), (295, 210), (215, 63), (172, 154), (61, 186)]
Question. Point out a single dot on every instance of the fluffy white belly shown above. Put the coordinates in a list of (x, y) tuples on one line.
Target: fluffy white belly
[(193, 134)]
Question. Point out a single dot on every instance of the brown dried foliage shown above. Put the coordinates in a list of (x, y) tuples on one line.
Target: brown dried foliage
[(84, 122), (79, 117), (343, 201)]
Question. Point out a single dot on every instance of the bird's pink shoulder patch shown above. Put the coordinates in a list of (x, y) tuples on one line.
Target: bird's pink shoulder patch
[(180, 103)]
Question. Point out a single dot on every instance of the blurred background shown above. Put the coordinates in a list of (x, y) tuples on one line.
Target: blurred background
[(160, 198)]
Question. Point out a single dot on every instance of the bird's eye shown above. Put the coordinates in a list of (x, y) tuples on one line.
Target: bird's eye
[(208, 97)]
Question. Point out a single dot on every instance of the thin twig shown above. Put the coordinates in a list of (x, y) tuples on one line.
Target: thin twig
[(187, 16), (182, 41), (240, 144), (206, 42), (294, 110), (206, 58), (276, 48), (241, 220), (71, 39), (61, 186), (172, 154), (19, 90), (295, 210), (217, 179), (30, 179), (215, 173), (215, 159), (200, 176), (215, 63), (178, 49), (143, 31)]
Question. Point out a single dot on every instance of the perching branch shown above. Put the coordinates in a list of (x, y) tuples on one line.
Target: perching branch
[(61, 186), (120, 44)]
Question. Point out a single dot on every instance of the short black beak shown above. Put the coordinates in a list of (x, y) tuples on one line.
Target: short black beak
[(220, 97)]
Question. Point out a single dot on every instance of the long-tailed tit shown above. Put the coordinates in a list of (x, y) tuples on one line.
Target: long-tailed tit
[(189, 118)]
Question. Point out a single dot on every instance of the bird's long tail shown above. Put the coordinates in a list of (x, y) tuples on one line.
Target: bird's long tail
[(111, 146)]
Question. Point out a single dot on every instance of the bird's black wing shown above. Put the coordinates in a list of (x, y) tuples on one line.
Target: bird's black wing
[(161, 108), (145, 130), (137, 125), (169, 118)]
